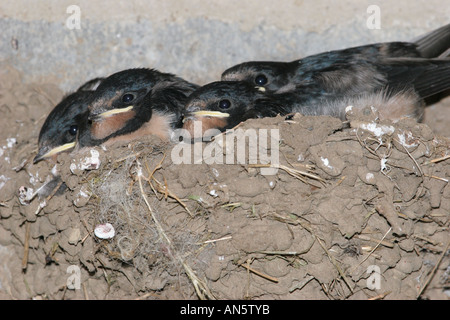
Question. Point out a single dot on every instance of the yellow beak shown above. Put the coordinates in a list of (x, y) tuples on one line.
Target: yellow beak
[(55, 151), (214, 114), (112, 112)]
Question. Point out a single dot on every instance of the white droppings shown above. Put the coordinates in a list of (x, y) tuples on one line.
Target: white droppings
[(82, 197), (104, 231), (88, 163), (383, 164), (326, 162), (378, 130), (10, 142), (348, 109), (213, 193), (407, 139), (34, 179), (54, 170), (370, 177), (272, 184), (300, 158), (83, 194), (26, 195)]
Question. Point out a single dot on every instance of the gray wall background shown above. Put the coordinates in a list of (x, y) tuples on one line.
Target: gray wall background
[(194, 39)]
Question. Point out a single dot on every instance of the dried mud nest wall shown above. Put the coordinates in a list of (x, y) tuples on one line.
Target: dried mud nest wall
[(346, 198)]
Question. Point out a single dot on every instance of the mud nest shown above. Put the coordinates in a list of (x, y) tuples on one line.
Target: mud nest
[(346, 203)]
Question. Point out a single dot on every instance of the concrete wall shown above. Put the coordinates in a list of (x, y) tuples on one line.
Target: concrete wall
[(195, 39)]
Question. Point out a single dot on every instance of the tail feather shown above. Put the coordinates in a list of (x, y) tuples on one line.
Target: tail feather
[(434, 43), (427, 76), (433, 82)]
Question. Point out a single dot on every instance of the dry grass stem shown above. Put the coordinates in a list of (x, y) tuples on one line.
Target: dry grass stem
[(26, 246), (302, 283), (299, 174), (383, 242), (433, 272), (380, 296), (412, 158), (263, 275), (216, 240), (335, 264), (435, 177), (200, 288), (375, 248), (437, 160), (163, 188)]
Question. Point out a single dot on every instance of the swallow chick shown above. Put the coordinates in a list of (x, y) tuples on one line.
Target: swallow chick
[(222, 105), (219, 106), (400, 93), (61, 127), (135, 102), (357, 63)]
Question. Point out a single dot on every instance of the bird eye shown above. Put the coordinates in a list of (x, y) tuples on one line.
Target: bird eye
[(127, 97), (73, 130), (224, 104), (261, 80)]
